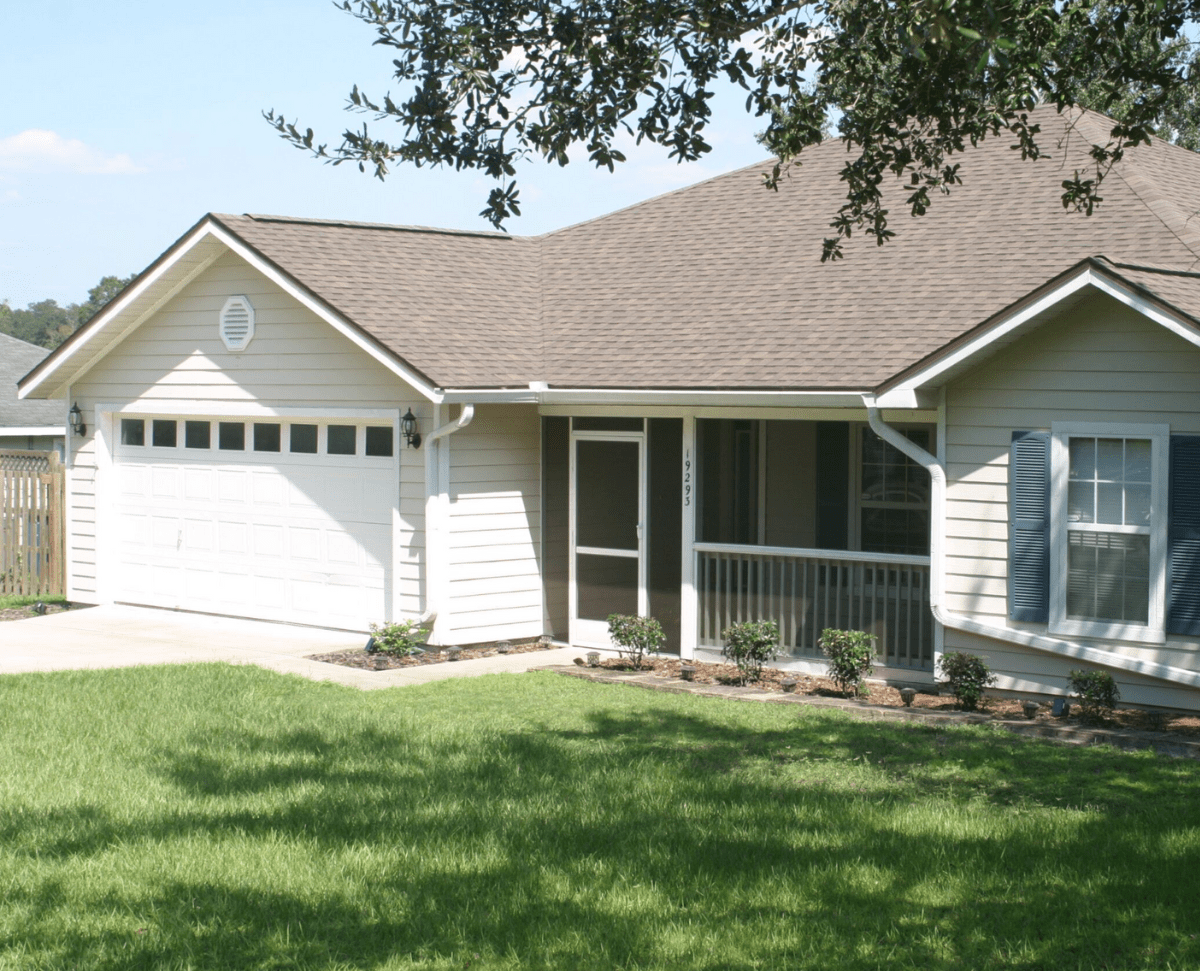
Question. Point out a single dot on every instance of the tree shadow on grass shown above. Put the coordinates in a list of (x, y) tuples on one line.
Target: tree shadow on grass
[(655, 837)]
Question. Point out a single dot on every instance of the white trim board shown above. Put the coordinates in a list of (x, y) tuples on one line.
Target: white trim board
[(1013, 325), (209, 230), (239, 409), (27, 430)]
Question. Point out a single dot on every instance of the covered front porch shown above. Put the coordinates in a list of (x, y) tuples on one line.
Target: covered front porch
[(703, 521)]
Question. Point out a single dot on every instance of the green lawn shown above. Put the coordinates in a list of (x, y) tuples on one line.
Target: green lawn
[(24, 600), (222, 818)]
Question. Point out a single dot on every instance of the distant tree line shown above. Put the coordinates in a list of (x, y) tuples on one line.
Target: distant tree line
[(47, 324)]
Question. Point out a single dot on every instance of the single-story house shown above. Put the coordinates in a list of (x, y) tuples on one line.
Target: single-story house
[(26, 425), (983, 436)]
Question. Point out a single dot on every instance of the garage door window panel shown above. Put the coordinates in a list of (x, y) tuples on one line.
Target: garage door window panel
[(266, 436), (303, 439), (133, 431), (342, 440), (379, 442), (231, 436), (163, 433), (197, 434)]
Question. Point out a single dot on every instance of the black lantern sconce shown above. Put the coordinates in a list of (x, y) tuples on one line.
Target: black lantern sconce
[(408, 426), (75, 417)]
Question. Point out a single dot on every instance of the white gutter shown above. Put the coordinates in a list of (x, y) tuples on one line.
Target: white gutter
[(434, 492), (1038, 642)]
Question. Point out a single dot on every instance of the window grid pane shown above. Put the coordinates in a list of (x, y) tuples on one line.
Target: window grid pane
[(1108, 577), (133, 431), (894, 501), (1109, 482)]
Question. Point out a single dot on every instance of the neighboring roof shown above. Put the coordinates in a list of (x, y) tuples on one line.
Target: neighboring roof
[(17, 358), (720, 285)]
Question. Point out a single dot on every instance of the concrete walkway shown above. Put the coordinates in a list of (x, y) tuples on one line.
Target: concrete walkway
[(120, 636)]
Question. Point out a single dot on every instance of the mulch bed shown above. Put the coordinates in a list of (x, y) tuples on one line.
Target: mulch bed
[(928, 698), (359, 658), (20, 613)]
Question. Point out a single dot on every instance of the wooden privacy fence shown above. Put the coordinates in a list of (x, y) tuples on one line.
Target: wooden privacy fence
[(31, 524)]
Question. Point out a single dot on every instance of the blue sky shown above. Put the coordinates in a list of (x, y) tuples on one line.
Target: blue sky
[(121, 123)]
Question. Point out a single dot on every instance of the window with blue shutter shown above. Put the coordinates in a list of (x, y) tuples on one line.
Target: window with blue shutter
[(1029, 527), (1183, 537)]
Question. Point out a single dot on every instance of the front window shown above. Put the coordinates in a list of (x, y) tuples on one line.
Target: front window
[(1109, 520), (893, 496)]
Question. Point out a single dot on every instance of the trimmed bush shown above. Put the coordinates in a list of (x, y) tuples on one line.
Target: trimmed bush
[(1097, 691), (750, 645), (850, 653), (402, 639), (967, 675), (635, 637)]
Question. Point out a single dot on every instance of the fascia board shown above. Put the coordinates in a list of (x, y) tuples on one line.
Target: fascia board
[(326, 313), (1151, 309), (208, 228), (616, 397), (765, 399), (1087, 277), (104, 320), (1002, 328)]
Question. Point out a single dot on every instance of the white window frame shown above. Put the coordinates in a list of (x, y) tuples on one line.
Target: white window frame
[(858, 432), (1154, 631)]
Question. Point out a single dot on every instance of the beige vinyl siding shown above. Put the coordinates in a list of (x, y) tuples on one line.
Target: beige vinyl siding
[(295, 360), (495, 526), (1099, 362), (81, 524)]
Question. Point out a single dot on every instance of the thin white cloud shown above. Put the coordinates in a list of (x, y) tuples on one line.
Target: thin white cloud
[(37, 149), (12, 195)]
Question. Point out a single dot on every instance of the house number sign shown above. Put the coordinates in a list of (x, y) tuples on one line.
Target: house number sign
[(687, 477)]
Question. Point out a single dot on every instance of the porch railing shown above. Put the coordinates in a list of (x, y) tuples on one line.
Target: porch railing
[(805, 591)]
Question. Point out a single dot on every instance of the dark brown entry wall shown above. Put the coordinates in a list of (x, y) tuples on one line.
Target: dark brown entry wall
[(664, 527)]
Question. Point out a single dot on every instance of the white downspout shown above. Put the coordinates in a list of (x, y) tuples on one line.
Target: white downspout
[(1038, 642), (436, 499)]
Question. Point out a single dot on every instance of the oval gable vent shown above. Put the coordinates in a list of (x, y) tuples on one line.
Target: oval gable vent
[(237, 323)]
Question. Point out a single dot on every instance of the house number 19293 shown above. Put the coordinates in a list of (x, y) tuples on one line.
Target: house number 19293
[(687, 478)]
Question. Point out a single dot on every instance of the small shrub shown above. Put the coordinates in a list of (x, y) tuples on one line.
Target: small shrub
[(401, 639), (850, 654), (751, 644), (1097, 691), (967, 675), (635, 637)]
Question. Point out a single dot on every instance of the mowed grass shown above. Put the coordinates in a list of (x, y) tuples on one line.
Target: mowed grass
[(216, 817)]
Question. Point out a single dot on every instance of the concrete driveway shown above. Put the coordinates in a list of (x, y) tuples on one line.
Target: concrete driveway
[(119, 636)]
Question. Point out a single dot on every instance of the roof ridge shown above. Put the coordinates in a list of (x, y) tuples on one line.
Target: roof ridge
[(1160, 204), (664, 195), (384, 227), (1151, 268)]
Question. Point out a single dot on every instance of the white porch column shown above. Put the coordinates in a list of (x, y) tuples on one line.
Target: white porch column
[(687, 590)]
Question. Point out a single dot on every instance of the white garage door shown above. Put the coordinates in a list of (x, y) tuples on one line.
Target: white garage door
[(278, 520)]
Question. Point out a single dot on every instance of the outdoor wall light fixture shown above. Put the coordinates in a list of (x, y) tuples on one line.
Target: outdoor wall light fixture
[(75, 417), (408, 426)]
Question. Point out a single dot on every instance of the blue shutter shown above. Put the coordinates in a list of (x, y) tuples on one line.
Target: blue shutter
[(1029, 527), (1183, 537)]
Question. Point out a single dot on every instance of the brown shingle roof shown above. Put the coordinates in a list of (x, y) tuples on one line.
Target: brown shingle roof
[(720, 285)]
